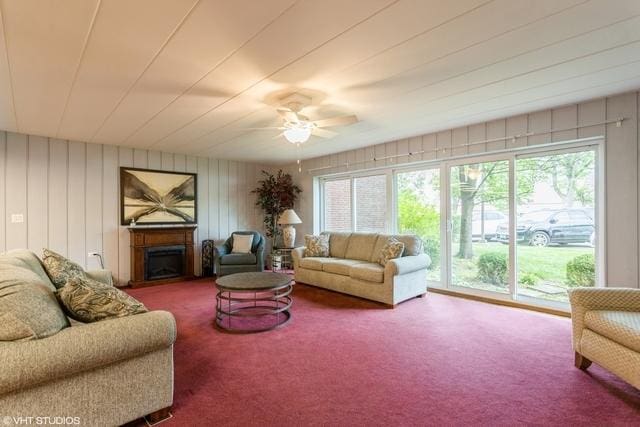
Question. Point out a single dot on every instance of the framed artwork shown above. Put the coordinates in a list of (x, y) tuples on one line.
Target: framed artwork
[(157, 197)]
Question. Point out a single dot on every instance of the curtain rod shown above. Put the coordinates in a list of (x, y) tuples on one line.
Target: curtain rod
[(513, 139)]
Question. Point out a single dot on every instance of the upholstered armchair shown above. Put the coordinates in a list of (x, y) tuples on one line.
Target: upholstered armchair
[(606, 330), (227, 262)]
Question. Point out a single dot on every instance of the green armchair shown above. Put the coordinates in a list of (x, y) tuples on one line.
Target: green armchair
[(227, 262)]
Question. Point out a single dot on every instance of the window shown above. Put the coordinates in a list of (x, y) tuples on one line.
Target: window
[(556, 242), (371, 203), (519, 225), (479, 208), (337, 205), (356, 204), (418, 212)]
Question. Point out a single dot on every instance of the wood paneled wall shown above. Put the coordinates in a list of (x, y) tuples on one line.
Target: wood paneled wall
[(621, 169), (68, 193)]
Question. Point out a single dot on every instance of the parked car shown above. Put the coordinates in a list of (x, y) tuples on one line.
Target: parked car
[(492, 219), (545, 227)]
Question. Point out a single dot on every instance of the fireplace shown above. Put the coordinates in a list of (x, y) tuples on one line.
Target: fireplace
[(161, 255), (164, 262)]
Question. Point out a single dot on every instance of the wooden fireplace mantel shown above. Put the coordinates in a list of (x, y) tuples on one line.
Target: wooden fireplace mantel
[(142, 238)]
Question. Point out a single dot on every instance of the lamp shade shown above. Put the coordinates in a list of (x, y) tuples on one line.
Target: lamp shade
[(289, 217)]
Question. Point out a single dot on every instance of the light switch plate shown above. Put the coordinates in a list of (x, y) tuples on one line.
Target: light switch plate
[(17, 218)]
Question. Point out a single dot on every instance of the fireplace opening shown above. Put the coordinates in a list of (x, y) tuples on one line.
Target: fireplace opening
[(164, 262)]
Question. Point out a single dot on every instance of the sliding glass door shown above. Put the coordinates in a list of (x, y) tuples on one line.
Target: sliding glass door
[(418, 212), (556, 225), (478, 205), (519, 225)]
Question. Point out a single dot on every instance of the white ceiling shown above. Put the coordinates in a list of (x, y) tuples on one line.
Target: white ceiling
[(194, 77)]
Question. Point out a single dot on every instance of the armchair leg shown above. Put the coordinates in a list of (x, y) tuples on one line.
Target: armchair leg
[(582, 362)]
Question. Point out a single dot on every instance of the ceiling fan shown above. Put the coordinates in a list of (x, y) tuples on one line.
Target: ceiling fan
[(297, 128)]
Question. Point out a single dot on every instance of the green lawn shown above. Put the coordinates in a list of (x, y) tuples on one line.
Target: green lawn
[(547, 263)]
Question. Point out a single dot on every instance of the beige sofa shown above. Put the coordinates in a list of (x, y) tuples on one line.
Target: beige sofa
[(606, 330), (105, 373), (352, 268)]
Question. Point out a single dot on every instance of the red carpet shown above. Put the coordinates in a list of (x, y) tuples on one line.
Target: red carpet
[(344, 361)]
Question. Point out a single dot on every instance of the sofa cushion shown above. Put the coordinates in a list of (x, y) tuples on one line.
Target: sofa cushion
[(369, 271), (338, 242), (89, 301), (60, 269), (412, 244), (316, 246), (28, 305), (391, 250), (361, 246), (313, 263), (238, 259), (377, 248), (339, 266), (26, 259), (622, 327)]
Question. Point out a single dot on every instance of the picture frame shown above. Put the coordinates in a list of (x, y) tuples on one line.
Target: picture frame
[(157, 197)]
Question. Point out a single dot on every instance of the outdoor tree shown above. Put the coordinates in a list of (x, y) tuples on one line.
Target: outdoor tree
[(488, 183), (567, 174)]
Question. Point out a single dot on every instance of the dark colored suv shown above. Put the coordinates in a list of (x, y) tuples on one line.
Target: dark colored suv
[(545, 227)]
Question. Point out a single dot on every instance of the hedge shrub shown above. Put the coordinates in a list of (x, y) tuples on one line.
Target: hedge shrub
[(492, 268), (528, 279), (581, 271), (432, 248)]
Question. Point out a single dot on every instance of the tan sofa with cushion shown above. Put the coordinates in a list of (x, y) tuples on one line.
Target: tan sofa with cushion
[(606, 330), (106, 373), (352, 267)]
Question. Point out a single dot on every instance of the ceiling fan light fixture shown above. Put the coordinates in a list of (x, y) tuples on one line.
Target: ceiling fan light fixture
[(297, 134)]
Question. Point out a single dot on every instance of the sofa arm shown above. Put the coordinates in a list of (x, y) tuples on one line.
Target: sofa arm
[(297, 254), (260, 257), (220, 250), (85, 347), (407, 264), (102, 276)]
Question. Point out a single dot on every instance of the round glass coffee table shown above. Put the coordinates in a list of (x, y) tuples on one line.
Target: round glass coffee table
[(253, 302)]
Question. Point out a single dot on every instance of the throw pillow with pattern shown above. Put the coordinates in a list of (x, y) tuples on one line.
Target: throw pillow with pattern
[(60, 269), (316, 246), (89, 301), (392, 250)]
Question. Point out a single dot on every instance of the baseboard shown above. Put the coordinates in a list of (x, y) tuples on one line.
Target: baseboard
[(497, 301)]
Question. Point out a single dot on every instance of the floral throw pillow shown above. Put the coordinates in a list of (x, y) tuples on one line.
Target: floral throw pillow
[(60, 269), (89, 301), (392, 250), (316, 246)]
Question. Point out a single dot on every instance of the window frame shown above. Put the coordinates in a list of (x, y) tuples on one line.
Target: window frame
[(597, 143)]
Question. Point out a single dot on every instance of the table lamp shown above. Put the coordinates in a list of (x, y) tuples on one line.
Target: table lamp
[(287, 219)]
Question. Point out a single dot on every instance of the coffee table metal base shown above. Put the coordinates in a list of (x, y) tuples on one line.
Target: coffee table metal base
[(234, 305)]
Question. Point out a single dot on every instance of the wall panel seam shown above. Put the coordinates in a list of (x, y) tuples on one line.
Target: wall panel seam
[(26, 188)]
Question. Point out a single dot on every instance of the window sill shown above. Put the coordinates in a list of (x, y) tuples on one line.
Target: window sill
[(502, 301)]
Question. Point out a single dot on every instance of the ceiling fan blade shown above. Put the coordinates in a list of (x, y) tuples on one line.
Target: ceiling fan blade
[(267, 128), (323, 133), (278, 135), (336, 121), (288, 115)]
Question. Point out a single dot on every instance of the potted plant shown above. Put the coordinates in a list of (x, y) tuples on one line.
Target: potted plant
[(276, 193)]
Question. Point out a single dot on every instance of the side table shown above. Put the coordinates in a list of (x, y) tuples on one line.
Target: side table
[(281, 258)]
